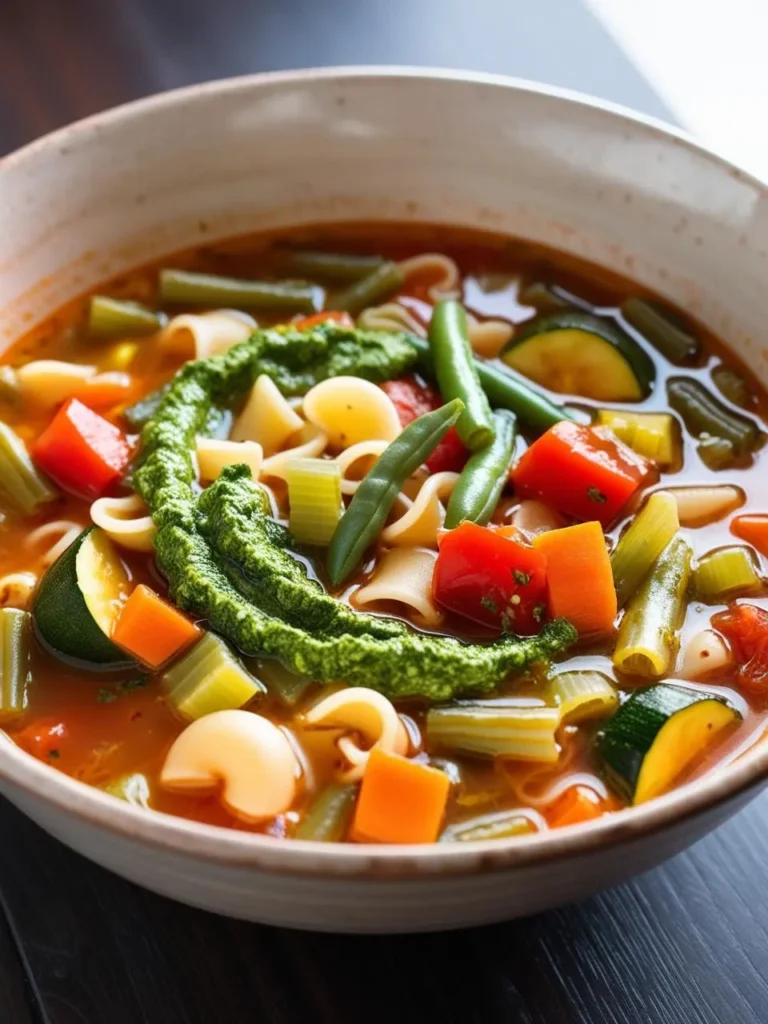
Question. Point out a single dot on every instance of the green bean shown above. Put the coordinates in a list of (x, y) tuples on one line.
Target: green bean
[(380, 284), (543, 297), (378, 491), (328, 818), (457, 374), (184, 286), (733, 386), (662, 328), (648, 633), (287, 686), (332, 266), (114, 318), (704, 414), (504, 391), (14, 661), (482, 480), (20, 482)]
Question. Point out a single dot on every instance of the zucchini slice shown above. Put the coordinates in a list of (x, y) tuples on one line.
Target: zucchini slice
[(657, 734), (79, 599), (576, 353)]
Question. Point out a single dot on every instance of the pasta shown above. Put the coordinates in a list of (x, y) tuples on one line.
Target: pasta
[(431, 265), (213, 455), (351, 410), (392, 316), (488, 337), (704, 653), (310, 442), (364, 714), (202, 335), (266, 418), (126, 521), (419, 525), (698, 506), (403, 577), (64, 530), (16, 589), (368, 450), (50, 381), (534, 517)]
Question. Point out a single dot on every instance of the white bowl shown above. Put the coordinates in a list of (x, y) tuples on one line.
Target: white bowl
[(273, 150)]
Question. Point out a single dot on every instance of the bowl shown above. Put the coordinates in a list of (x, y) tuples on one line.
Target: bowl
[(476, 151)]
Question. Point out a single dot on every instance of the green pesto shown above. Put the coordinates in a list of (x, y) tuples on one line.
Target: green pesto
[(226, 560)]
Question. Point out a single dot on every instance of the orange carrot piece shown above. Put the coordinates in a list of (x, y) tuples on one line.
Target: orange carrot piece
[(579, 803), (579, 577), (330, 316), (754, 530), (509, 531), (400, 801), (106, 390), (151, 629)]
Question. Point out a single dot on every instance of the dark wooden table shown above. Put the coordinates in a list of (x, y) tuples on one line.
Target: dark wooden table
[(686, 944)]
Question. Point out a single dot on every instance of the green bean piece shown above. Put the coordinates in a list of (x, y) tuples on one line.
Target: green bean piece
[(499, 825), (733, 385), (380, 284), (482, 480), (372, 501), (190, 289), (328, 818), (663, 329), (543, 297), (716, 453), (703, 414), (457, 374), (648, 635), (504, 390), (21, 485), (642, 542), (115, 318), (330, 266), (287, 686), (14, 662)]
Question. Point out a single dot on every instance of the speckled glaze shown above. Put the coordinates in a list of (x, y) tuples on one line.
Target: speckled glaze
[(350, 144)]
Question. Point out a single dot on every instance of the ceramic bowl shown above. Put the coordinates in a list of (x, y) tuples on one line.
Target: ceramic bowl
[(395, 145)]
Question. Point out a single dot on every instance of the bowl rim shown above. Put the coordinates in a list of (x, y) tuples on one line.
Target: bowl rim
[(231, 847)]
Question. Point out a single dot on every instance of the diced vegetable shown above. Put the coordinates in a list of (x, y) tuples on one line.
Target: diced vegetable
[(333, 266), (663, 328), (488, 578), (577, 804), (117, 318), (654, 435), (733, 385), (79, 599), (482, 480), (546, 298), (400, 801), (328, 316), (314, 496), (496, 729), (412, 399), (152, 630), (14, 662), (190, 289), (642, 542), (572, 352), (287, 686), (754, 530), (699, 506), (579, 577), (658, 734), (499, 825), (582, 696), (581, 471), (648, 635), (43, 738), (709, 420), (457, 374), (119, 358), (726, 573), (81, 450), (382, 282), (210, 678), (20, 483), (105, 390), (133, 788), (745, 627), (327, 820)]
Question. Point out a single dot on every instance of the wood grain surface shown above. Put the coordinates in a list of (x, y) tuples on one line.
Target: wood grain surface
[(685, 944)]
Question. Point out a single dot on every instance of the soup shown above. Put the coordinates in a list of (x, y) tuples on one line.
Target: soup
[(381, 535)]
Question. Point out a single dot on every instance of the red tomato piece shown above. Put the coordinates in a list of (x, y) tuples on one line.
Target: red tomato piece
[(486, 577), (745, 627), (584, 472), (412, 399), (42, 739), (81, 450)]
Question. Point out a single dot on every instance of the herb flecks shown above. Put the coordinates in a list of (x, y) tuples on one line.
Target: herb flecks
[(490, 605), (596, 495), (520, 577), (108, 695), (54, 754)]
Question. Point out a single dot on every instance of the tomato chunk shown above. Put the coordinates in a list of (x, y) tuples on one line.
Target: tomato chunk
[(412, 399), (81, 450), (584, 472), (491, 579), (745, 627)]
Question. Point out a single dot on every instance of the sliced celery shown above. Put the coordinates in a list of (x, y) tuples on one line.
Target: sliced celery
[(314, 496), (287, 686), (726, 573), (14, 662), (20, 482), (580, 696), (117, 318), (134, 789), (500, 825), (641, 544), (654, 435), (328, 818), (208, 679), (488, 729)]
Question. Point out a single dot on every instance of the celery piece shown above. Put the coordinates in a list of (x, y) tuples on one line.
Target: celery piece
[(496, 729), (499, 825), (642, 542), (726, 573), (14, 662), (328, 818), (314, 496), (580, 696), (210, 678), (20, 482)]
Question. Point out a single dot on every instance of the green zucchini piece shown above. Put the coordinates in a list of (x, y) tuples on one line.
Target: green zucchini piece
[(657, 735), (79, 599), (572, 352)]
